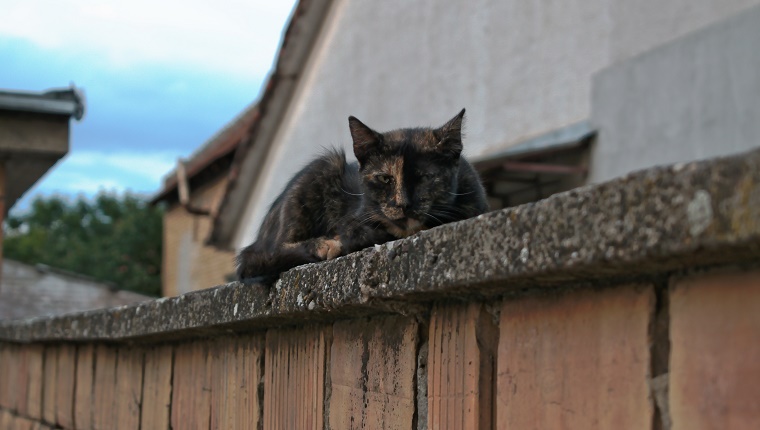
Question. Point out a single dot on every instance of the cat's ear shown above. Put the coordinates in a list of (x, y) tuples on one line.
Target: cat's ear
[(366, 140), (450, 136)]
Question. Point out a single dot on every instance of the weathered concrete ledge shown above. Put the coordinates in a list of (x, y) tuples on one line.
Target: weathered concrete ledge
[(644, 224)]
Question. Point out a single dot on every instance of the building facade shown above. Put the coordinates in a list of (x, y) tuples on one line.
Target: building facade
[(192, 193), (524, 71)]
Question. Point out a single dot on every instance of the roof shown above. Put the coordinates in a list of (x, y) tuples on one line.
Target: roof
[(38, 290), (59, 101), (222, 144), (34, 134), (566, 138), (547, 142), (298, 39)]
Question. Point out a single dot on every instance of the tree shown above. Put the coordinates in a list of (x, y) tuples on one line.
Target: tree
[(111, 238)]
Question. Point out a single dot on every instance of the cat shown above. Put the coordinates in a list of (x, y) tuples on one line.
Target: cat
[(405, 181)]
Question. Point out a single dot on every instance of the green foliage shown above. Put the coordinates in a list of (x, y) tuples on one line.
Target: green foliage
[(111, 238)]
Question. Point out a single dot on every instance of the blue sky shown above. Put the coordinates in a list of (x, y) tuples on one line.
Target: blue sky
[(160, 78)]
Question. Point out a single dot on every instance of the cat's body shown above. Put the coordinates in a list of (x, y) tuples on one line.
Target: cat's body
[(405, 181)]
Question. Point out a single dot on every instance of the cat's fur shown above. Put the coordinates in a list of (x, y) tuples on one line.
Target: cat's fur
[(406, 180)]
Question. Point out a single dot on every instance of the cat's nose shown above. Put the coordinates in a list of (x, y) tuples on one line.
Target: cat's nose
[(403, 206), (401, 200)]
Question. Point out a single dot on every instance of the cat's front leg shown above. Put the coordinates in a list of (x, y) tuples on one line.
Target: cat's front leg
[(327, 249), (322, 248), (361, 237)]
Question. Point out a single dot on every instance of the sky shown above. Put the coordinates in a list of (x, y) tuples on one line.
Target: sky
[(159, 77)]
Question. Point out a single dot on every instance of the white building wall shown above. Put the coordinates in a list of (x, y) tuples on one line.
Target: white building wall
[(521, 68)]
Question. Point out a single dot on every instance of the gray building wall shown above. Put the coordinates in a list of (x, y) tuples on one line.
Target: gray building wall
[(521, 69), (693, 98)]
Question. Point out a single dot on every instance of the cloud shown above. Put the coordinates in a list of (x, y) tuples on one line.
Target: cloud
[(138, 108), (148, 166), (234, 36), (89, 172), (160, 78)]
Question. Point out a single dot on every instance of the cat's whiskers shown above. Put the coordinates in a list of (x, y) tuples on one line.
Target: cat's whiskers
[(445, 212), (365, 219), (449, 213), (453, 210), (434, 217), (351, 194), (460, 194)]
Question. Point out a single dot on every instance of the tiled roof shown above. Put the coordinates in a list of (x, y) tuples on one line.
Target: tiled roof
[(34, 291)]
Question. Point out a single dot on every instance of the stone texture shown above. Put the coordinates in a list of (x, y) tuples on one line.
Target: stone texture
[(461, 367), (372, 369), (715, 352), (157, 388), (294, 377), (576, 360), (647, 222), (191, 387), (237, 369)]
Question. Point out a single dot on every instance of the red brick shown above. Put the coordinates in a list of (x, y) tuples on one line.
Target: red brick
[(83, 398), (49, 381), (157, 390), (372, 369), (129, 379), (64, 386), (191, 390), (36, 358), (579, 360), (715, 352), (8, 372), (104, 390), (460, 367), (21, 423), (6, 418), (236, 366), (5, 370), (22, 380), (294, 378)]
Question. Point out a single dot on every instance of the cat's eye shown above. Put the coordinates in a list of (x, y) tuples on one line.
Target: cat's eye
[(386, 179)]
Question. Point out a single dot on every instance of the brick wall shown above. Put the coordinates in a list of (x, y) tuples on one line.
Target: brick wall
[(633, 304), (581, 359), (188, 264)]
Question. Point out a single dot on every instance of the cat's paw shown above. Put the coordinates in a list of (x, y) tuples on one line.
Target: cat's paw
[(329, 248)]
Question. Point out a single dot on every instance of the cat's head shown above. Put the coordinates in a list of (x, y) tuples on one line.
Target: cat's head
[(408, 173)]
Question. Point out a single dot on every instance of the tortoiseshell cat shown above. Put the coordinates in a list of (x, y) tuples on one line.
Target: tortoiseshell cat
[(406, 180)]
